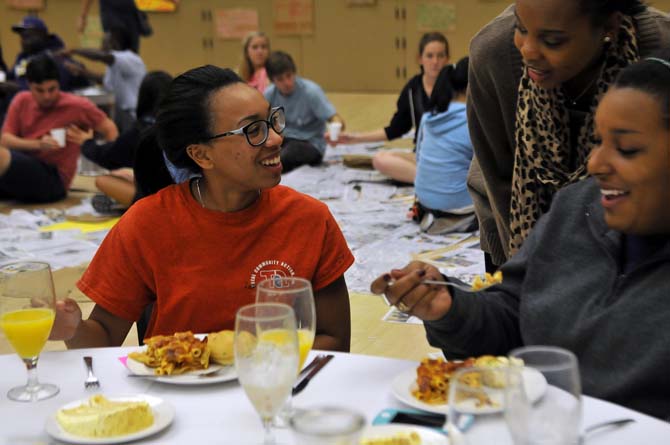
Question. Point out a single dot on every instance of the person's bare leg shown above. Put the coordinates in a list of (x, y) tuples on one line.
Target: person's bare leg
[(397, 165), (119, 189)]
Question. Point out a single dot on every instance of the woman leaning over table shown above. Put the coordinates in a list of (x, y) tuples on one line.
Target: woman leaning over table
[(592, 275), (255, 52), (537, 73), (412, 103), (197, 249)]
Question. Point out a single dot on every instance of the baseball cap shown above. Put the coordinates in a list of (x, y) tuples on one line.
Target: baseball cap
[(29, 22)]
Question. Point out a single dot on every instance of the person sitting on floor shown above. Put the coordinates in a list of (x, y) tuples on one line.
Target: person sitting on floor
[(220, 234), (35, 167), (413, 101), (255, 52), (118, 187), (444, 153), (592, 275), (123, 75), (307, 111)]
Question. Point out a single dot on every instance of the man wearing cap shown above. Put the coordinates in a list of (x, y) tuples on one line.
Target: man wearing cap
[(36, 40), (35, 166)]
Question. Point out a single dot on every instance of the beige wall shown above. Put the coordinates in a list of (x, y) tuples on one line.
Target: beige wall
[(367, 49)]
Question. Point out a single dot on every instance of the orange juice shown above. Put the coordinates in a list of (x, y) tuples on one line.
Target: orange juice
[(305, 341), (28, 329)]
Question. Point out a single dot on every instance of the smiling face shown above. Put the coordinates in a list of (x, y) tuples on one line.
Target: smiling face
[(557, 41), (237, 165), (632, 163), (258, 51), (433, 58)]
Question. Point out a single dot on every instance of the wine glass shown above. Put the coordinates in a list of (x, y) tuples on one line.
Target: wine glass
[(556, 417), (27, 312), (472, 390), (297, 293), (266, 357)]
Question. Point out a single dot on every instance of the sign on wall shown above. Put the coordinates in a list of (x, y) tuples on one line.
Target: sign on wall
[(26, 4), (157, 5), (293, 17), (235, 23), (435, 16)]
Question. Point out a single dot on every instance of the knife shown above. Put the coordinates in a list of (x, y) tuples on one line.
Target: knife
[(315, 361), (303, 383)]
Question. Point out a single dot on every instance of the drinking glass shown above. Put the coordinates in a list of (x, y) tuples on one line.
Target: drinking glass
[(266, 357), (297, 293), (556, 417), (27, 312), (473, 390), (327, 426)]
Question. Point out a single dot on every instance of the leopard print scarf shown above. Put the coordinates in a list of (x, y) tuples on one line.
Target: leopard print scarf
[(542, 159)]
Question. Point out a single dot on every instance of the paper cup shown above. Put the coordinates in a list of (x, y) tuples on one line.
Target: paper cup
[(334, 130), (59, 135)]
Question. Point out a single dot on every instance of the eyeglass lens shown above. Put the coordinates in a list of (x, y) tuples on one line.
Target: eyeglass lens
[(257, 132)]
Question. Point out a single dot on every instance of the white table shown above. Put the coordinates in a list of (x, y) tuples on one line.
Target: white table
[(221, 414)]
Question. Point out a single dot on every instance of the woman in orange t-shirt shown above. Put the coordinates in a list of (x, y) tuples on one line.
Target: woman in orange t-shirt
[(196, 250)]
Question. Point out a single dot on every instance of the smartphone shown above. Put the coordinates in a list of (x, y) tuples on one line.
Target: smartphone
[(420, 418)]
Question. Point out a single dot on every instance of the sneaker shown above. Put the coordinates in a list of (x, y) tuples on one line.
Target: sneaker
[(105, 205)]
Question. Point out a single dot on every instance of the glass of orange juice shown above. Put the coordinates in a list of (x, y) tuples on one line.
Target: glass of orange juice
[(297, 293), (27, 312)]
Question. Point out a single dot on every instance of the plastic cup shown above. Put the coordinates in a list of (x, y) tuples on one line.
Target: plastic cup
[(334, 129), (59, 135)]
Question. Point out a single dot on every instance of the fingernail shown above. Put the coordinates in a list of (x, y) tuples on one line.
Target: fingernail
[(386, 277), (421, 272)]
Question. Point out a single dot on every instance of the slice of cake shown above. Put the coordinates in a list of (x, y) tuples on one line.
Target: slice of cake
[(101, 417)]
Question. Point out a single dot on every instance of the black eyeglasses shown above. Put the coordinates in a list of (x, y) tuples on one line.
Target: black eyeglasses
[(257, 132)]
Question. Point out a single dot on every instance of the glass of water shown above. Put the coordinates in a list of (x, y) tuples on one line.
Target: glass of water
[(556, 417), (266, 357), (327, 426)]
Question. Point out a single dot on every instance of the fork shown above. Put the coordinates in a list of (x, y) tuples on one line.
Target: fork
[(463, 287), (91, 380), (607, 424)]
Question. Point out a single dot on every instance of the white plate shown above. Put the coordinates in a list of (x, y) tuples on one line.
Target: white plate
[(404, 383), (224, 374), (163, 411), (428, 436)]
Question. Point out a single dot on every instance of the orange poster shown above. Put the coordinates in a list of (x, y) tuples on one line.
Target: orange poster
[(26, 4), (293, 17), (157, 5), (235, 23)]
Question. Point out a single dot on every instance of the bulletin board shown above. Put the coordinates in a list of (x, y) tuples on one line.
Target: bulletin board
[(32, 5), (293, 17), (435, 16), (235, 23)]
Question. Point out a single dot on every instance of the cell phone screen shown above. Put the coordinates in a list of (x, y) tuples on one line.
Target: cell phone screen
[(434, 420)]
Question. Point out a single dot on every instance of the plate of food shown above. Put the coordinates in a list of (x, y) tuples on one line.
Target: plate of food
[(102, 420), (427, 386), (185, 359), (401, 434)]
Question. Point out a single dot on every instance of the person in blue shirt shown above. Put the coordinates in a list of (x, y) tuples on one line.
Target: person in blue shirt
[(307, 110), (444, 153)]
